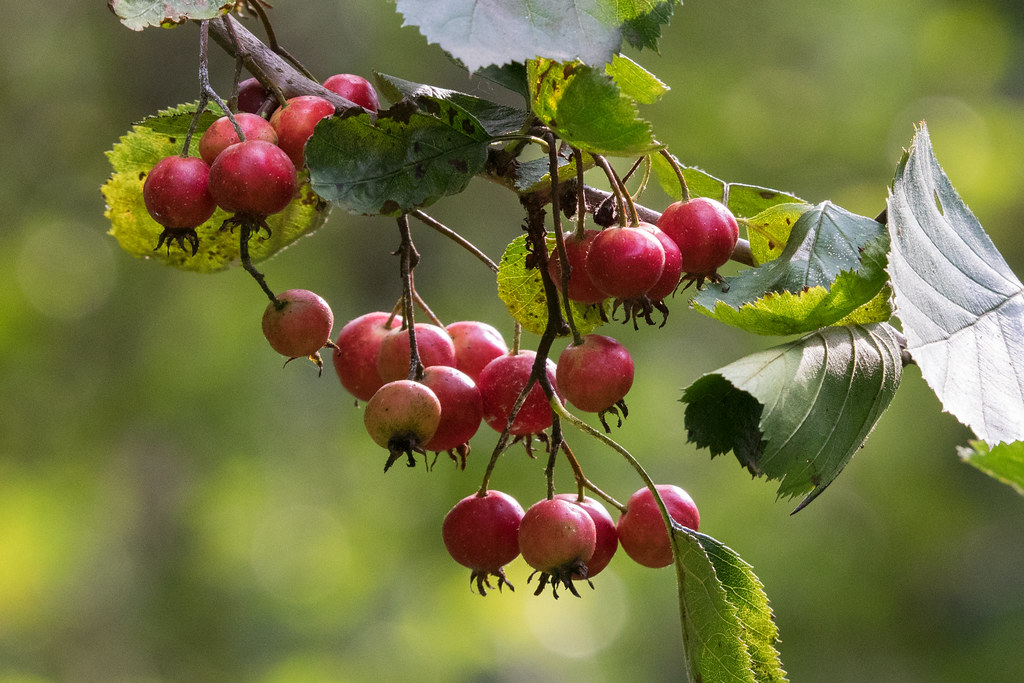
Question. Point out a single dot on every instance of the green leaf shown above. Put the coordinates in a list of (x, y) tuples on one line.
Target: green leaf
[(496, 119), (163, 135), (510, 76), (743, 200), (730, 630), (961, 306), (586, 109), (522, 291), (769, 230), (483, 32), (1004, 462), (139, 14), (798, 412), (635, 81), (833, 263), (404, 160)]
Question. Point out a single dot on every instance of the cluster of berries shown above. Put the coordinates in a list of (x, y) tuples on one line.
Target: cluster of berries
[(251, 176), (565, 538)]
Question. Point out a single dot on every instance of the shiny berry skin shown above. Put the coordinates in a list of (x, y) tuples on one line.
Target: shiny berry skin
[(355, 89), (607, 536), (482, 533), (300, 326), (705, 231), (253, 178), (557, 538), (177, 192), (596, 374), (433, 343), (295, 121), (642, 532), (625, 262), (476, 345), (673, 268), (221, 134), (581, 287), (402, 416), (356, 350), (251, 95), (461, 407), (501, 382)]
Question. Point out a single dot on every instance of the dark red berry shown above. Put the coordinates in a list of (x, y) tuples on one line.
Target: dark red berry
[(581, 286), (177, 192), (642, 531), (501, 382), (705, 231), (625, 262), (221, 134), (356, 350), (461, 408), (355, 89), (253, 178), (482, 533), (251, 95), (295, 121), (596, 374)]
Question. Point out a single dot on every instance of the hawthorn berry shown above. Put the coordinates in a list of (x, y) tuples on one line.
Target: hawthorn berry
[(482, 533), (402, 416), (433, 344), (607, 536), (666, 284), (476, 345), (625, 262), (251, 95), (295, 121), (221, 134), (596, 374), (177, 196), (254, 178), (461, 410), (705, 231), (501, 382), (581, 286), (355, 89), (642, 531), (356, 350), (557, 538), (299, 324)]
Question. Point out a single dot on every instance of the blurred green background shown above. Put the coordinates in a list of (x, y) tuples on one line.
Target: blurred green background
[(175, 506)]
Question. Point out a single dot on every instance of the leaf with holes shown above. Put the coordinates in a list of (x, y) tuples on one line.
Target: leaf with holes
[(798, 412), (961, 306), (140, 14)]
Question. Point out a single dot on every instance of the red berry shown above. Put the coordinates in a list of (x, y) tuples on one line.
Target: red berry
[(673, 269), (596, 374), (251, 95), (642, 532), (461, 408), (295, 121), (402, 416), (434, 345), (356, 351), (221, 134), (177, 192), (625, 262), (299, 326), (253, 178), (501, 382), (557, 538), (705, 231), (607, 536), (355, 89), (482, 533), (581, 287), (476, 345)]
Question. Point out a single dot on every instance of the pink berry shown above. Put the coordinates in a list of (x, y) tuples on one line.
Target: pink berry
[(402, 416), (501, 382), (607, 536), (461, 408), (642, 531), (300, 325), (295, 121), (356, 350), (355, 89), (476, 345), (434, 345), (625, 262), (482, 533), (596, 374), (705, 231), (253, 178), (557, 538), (221, 134)]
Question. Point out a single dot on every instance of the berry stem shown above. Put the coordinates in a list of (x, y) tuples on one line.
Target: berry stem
[(581, 196), (425, 308), (683, 188), (621, 194), (272, 40), (583, 483), (245, 231), (563, 257), (206, 91), (455, 237), (408, 258)]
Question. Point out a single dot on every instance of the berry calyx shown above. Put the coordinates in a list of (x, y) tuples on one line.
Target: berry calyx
[(625, 262), (355, 89), (295, 121), (433, 344), (581, 286), (557, 538), (461, 411), (356, 350), (501, 382), (482, 533), (299, 325), (596, 374), (177, 196), (476, 345), (401, 417), (642, 531), (607, 536), (221, 134), (254, 178), (705, 231)]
